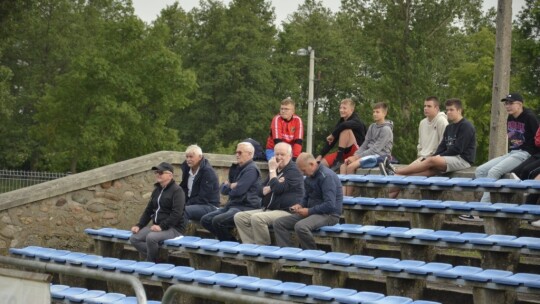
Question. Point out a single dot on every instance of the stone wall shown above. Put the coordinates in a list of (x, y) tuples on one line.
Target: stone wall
[(55, 214)]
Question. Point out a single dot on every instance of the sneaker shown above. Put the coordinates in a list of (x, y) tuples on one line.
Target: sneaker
[(390, 169), (536, 223), (470, 218), (514, 176), (382, 169), (335, 167)]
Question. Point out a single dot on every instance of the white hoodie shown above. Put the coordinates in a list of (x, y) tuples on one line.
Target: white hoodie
[(430, 134)]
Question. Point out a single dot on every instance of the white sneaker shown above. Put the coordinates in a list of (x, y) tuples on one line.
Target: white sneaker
[(471, 218), (536, 223), (514, 176)]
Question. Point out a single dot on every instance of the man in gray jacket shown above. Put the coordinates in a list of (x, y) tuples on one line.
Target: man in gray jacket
[(283, 188), (321, 206)]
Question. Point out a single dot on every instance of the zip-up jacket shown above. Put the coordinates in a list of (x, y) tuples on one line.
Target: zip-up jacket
[(290, 131), (205, 188), (165, 208), (245, 196), (324, 194), (287, 193), (354, 124)]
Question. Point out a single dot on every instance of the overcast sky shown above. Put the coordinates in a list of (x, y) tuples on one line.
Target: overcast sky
[(148, 10)]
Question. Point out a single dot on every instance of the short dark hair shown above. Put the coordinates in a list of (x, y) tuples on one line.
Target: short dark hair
[(381, 105), (434, 99), (287, 101), (454, 102)]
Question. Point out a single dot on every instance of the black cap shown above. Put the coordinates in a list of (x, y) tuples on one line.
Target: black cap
[(164, 167), (513, 97)]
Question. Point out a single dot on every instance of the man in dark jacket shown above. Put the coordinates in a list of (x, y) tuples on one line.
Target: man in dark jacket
[(165, 209), (348, 134), (243, 192), (321, 206), (283, 188), (200, 184)]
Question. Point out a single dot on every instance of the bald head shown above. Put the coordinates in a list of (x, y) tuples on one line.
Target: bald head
[(307, 163)]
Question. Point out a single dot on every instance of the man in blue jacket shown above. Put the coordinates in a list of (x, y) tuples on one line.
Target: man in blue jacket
[(283, 188), (321, 206), (243, 191), (165, 209), (200, 184)]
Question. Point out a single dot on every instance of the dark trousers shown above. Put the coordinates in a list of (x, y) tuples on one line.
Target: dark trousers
[(220, 223), (529, 169)]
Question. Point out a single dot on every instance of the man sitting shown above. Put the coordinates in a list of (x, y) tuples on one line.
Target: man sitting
[(284, 188)]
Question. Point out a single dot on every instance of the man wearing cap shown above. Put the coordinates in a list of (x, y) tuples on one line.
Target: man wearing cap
[(243, 191), (165, 209), (521, 126), (200, 184)]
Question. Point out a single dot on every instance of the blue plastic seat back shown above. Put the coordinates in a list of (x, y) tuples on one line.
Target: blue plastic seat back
[(65, 258), (521, 242), (401, 265), (354, 260), (361, 297), (280, 253), (437, 235), (376, 263), (493, 239), (135, 267), (393, 300), (332, 229), (465, 237), (170, 273), (200, 243), (65, 292), (385, 232), (388, 202), (364, 201), (115, 265), (283, 287), (411, 233), (82, 260), (434, 204), (487, 275), (47, 255), (181, 241), (89, 294), (428, 268), (328, 257), (239, 281), (149, 271), (193, 275), (239, 248), (108, 298), (361, 229), (262, 283), (333, 294), (457, 272), (518, 279), (303, 255), (56, 291), (520, 209), (305, 292), (219, 246), (29, 251), (217, 278), (454, 181), (410, 203), (257, 251), (102, 263)]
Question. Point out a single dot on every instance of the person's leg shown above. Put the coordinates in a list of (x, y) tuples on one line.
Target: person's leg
[(304, 228), (282, 229), (207, 220), (260, 222), (153, 240), (499, 166), (328, 159), (345, 144), (429, 167), (527, 170), (223, 223), (242, 221), (138, 240), (196, 212)]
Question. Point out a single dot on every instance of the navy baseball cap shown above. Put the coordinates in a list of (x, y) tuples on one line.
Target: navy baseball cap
[(164, 167)]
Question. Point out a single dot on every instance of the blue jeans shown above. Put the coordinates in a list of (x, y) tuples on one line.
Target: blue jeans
[(197, 211), (499, 166), (220, 223)]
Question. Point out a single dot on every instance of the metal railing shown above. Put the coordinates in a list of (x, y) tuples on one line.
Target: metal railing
[(15, 179)]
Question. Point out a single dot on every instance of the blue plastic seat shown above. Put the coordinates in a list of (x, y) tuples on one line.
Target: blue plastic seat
[(122, 234), (493, 239), (278, 254), (170, 273), (353, 260), (343, 177), (411, 233), (149, 271), (181, 241), (101, 262), (104, 232), (518, 279), (28, 252), (333, 294), (437, 235), (61, 291), (376, 263), (47, 255), (465, 237), (193, 275), (107, 298), (217, 278), (393, 300), (436, 180), (452, 181), (198, 244), (332, 229), (305, 292), (359, 298), (135, 267), (389, 202), (133, 300), (262, 283), (257, 251), (303, 255), (434, 204), (219, 246), (520, 209), (282, 288), (385, 232), (428, 268), (410, 203), (328, 257), (361, 229), (113, 265), (457, 272), (521, 242), (85, 295), (401, 265), (425, 302), (356, 178), (487, 275), (363, 201), (409, 180), (239, 281), (81, 260), (239, 248), (64, 258), (348, 200)]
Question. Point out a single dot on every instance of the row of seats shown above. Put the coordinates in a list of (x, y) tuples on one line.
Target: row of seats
[(500, 210), (443, 183), (408, 269), (67, 294), (288, 291)]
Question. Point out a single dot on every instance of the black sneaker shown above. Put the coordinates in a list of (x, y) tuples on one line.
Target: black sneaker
[(382, 169), (470, 218), (390, 169), (335, 167)]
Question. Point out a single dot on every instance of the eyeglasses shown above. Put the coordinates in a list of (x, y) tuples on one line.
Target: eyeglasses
[(509, 102), (239, 152), (159, 172)]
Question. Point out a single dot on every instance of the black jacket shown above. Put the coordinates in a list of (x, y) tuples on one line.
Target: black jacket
[(165, 208), (246, 194), (354, 124), (205, 188), (287, 193)]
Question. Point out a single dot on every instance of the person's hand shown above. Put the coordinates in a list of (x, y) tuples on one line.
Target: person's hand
[(330, 139), (266, 190), (295, 207), (233, 185), (135, 229), (155, 228), (281, 179), (349, 160), (272, 164), (302, 212)]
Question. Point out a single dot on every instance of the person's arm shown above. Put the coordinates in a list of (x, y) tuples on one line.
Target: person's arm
[(292, 181), (442, 145), (384, 139), (245, 181), (208, 188), (537, 138), (328, 189), (351, 124), (441, 126), (419, 146), (463, 138), (276, 129), (298, 136), (146, 215), (177, 210)]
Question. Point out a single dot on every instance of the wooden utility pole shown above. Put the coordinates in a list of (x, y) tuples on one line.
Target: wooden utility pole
[(501, 79)]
